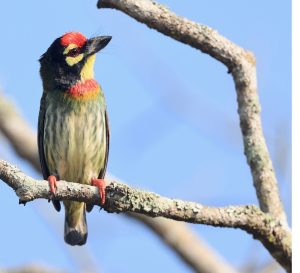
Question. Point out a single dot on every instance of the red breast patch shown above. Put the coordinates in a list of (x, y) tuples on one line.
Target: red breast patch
[(85, 88), (73, 38)]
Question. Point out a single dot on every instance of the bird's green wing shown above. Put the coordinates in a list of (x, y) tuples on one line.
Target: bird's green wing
[(40, 136), (41, 124)]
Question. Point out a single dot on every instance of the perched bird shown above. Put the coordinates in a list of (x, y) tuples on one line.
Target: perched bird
[(73, 132)]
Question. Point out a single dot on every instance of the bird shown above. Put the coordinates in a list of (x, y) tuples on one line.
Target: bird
[(73, 130)]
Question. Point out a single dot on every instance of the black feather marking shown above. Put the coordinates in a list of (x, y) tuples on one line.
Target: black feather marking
[(103, 171)]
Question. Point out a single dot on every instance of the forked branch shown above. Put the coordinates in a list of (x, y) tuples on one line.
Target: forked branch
[(241, 64)]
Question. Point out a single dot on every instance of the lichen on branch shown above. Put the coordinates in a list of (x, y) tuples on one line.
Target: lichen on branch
[(123, 198)]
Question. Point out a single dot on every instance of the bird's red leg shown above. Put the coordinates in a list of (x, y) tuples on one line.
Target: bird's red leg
[(52, 183), (100, 184)]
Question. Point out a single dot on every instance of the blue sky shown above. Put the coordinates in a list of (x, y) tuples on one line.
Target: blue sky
[(174, 125)]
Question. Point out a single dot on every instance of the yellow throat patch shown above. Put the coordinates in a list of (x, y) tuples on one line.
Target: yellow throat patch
[(87, 71)]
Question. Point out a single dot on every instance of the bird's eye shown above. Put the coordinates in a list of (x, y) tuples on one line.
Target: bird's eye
[(73, 52)]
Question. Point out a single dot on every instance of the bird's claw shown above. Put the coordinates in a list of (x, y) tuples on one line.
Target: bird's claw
[(100, 184), (52, 183)]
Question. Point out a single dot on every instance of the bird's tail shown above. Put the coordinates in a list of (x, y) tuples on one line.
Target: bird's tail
[(75, 223)]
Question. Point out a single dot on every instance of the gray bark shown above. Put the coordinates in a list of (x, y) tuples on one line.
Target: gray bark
[(122, 198)]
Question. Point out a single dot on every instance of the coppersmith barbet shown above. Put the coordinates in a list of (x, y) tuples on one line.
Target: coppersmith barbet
[(73, 133)]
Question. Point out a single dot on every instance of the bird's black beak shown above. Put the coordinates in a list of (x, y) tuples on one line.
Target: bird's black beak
[(95, 44)]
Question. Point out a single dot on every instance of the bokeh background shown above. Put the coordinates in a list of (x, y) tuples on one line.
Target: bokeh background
[(174, 127)]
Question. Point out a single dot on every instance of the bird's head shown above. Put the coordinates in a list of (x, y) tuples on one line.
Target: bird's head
[(70, 59)]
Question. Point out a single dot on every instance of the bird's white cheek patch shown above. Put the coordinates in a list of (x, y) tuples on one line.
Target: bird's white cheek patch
[(74, 60)]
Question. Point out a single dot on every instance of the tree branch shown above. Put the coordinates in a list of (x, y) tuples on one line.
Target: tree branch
[(34, 268), (184, 241), (122, 198), (16, 130), (241, 64)]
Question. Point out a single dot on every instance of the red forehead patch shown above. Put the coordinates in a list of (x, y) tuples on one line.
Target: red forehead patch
[(73, 38)]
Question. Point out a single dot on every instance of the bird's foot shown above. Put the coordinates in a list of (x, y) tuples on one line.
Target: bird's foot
[(100, 184), (52, 183)]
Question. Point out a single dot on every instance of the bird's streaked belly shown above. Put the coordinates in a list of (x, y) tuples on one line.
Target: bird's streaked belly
[(75, 141)]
